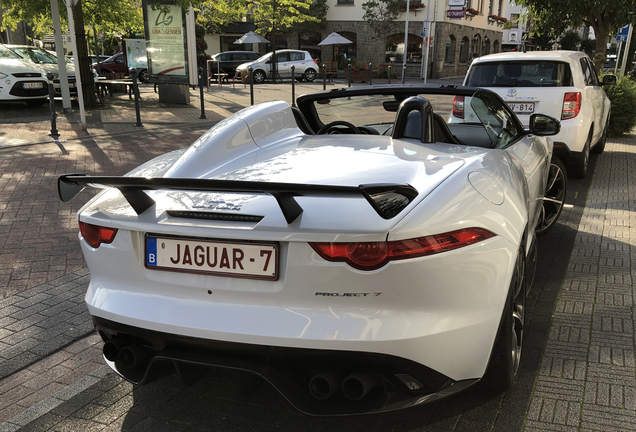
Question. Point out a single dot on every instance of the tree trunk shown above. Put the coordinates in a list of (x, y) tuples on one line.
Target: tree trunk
[(601, 32), (85, 72)]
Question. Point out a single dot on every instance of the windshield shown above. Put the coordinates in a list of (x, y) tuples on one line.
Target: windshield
[(520, 74), (264, 58), (7, 53), (36, 55)]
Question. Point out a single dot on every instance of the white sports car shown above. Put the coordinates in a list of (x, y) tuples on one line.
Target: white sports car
[(358, 252)]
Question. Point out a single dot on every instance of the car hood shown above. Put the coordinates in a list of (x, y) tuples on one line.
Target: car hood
[(11, 66), (53, 68)]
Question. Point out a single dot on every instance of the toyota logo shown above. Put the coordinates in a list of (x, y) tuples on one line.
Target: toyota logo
[(512, 93)]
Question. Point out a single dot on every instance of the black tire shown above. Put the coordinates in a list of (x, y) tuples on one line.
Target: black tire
[(578, 169), (503, 368), (36, 102), (310, 75), (600, 146), (259, 76), (554, 196), (143, 76)]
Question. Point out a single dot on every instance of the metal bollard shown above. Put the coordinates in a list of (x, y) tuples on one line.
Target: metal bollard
[(54, 133), (324, 76), (370, 73), (201, 83), (349, 73), (251, 72), (293, 71), (403, 73), (218, 72), (390, 72), (133, 73)]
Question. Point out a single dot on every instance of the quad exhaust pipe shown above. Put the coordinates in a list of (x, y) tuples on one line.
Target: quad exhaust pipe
[(127, 354), (354, 387)]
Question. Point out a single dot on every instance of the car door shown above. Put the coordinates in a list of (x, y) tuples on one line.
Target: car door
[(594, 93), (529, 153), (283, 65), (297, 59)]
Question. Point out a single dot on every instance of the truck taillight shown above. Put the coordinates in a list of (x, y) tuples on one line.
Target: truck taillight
[(458, 107), (373, 255), (571, 105)]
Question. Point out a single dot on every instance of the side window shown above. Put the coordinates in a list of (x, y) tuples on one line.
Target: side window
[(296, 56), (586, 72), (593, 72), (496, 119), (282, 57), (223, 57)]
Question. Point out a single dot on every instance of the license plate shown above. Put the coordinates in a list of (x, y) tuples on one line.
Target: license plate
[(210, 257), (522, 108), (35, 85)]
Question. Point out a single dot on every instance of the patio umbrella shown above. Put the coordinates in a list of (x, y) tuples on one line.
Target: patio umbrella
[(335, 39), (251, 37)]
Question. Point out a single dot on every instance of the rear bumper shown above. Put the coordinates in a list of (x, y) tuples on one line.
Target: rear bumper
[(396, 382)]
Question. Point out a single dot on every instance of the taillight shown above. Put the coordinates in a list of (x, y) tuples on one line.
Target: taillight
[(96, 235), (458, 106), (571, 105), (373, 255)]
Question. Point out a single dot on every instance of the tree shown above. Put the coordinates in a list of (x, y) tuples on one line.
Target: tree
[(213, 14), (382, 16), (569, 41), (274, 16), (318, 9), (603, 16)]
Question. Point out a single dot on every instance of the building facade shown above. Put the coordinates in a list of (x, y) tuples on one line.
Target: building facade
[(459, 30)]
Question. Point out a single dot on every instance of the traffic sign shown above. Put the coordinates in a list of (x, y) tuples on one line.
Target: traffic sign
[(624, 31), (100, 35), (621, 38)]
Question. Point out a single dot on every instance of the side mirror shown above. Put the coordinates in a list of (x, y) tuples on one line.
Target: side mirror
[(543, 125), (609, 80)]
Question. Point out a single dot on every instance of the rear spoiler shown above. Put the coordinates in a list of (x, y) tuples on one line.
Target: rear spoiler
[(388, 200)]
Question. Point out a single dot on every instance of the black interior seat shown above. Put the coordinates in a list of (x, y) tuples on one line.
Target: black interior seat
[(302, 122), (441, 131)]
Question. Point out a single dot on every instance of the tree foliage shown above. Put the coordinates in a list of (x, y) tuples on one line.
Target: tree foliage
[(569, 41), (603, 16), (623, 98), (276, 15), (213, 14), (318, 9), (382, 16)]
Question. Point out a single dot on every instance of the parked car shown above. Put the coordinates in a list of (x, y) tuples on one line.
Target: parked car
[(21, 80), (357, 263), (98, 58), (229, 60), (305, 66), (562, 84), (117, 64), (48, 62)]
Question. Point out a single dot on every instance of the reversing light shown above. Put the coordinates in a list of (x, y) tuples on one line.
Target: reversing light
[(373, 255), (458, 106), (571, 105), (95, 235)]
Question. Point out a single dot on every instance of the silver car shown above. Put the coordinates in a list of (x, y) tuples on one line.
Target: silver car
[(305, 67)]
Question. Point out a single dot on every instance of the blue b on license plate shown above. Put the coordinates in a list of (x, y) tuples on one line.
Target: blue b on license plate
[(216, 258)]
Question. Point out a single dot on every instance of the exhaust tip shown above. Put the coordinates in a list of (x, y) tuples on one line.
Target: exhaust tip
[(111, 350), (357, 385), (132, 356), (324, 385)]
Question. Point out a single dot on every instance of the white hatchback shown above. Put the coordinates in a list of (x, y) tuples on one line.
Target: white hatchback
[(562, 84), (304, 66)]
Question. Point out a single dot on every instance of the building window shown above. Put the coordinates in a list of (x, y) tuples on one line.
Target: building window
[(464, 50), (495, 47), (485, 46), (514, 20), (449, 56), (344, 54), (395, 48), (345, 2)]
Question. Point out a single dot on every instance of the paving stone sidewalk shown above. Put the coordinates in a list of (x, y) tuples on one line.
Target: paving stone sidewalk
[(587, 379)]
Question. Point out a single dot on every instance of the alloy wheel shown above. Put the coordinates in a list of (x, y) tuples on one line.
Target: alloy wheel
[(553, 198)]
